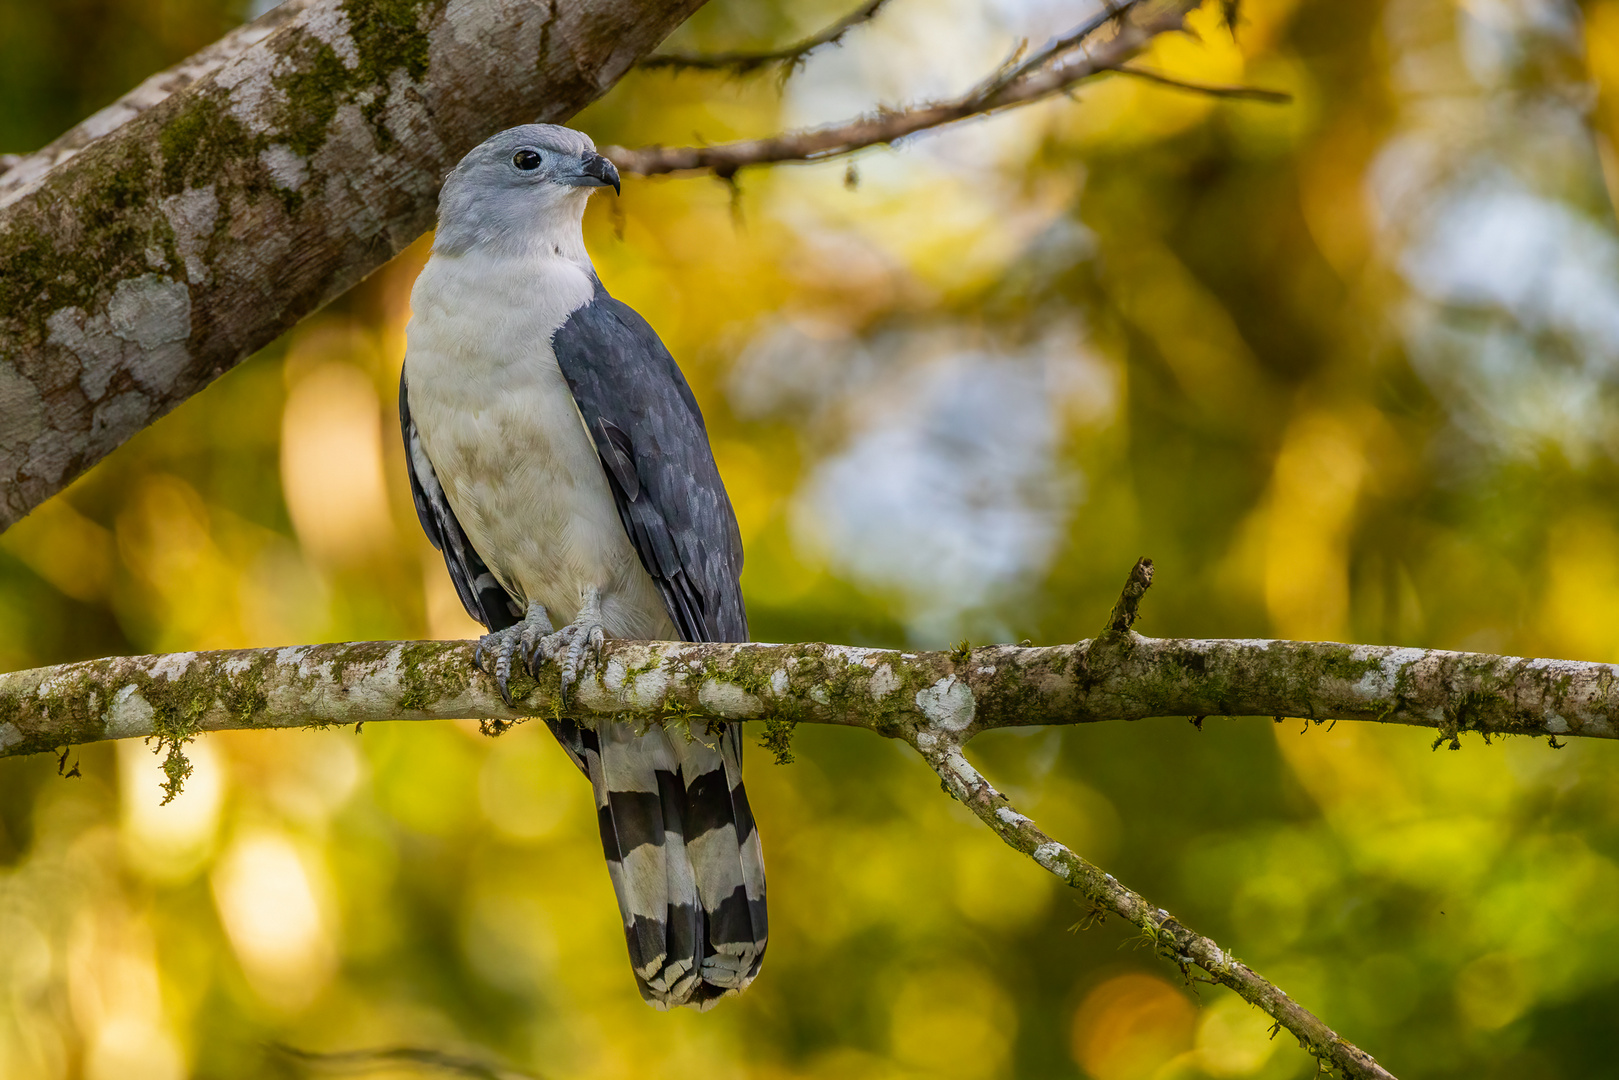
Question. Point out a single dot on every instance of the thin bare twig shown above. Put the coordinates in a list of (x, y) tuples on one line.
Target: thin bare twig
[(1054, 74), (1238, 93), (1230, 14), (790, 57), (1017, 68)]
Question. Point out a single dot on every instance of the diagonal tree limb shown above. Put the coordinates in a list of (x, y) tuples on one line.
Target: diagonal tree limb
[(1171, 940), (790, 57), (162, 252), (163, 240)]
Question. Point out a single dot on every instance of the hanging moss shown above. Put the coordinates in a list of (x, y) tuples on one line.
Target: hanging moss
[(778, 739)]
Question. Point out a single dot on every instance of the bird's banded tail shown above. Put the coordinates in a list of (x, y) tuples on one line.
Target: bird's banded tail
[(683, 854)]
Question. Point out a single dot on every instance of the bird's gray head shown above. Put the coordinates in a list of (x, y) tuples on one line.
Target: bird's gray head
[(524, 187)]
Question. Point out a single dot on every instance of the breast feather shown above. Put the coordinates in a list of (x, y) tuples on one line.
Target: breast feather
[(509, 446)]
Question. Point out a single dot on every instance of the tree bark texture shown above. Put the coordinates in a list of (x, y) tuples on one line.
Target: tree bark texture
[(1119, 676), (19, 171), (139, 262)]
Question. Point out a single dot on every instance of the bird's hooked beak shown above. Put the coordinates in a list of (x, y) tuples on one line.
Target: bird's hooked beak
[(595, 171)]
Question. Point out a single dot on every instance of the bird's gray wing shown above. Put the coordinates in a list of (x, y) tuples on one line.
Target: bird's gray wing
[(482, 596), (654, 448)]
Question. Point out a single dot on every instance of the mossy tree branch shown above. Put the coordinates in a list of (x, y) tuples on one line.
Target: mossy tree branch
[(18, 171), (163, 240), (1121, 676), (169, 237)]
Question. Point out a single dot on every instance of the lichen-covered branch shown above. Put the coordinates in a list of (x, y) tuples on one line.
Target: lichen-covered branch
[(789, 57), (172, 235), (1120, 676), (1053, 69), (1171, 940)]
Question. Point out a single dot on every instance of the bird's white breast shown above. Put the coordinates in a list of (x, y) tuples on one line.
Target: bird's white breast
[(506, 439)]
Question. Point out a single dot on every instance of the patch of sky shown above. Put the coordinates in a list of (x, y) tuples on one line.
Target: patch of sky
[(949, 490)]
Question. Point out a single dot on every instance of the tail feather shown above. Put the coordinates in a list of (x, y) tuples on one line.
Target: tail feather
[(726, 858), (683, 854)]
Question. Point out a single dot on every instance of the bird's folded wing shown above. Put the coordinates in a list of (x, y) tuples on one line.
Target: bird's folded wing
[(654, 449)]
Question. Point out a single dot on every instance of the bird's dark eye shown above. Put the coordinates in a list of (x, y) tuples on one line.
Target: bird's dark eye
[(527, 160)]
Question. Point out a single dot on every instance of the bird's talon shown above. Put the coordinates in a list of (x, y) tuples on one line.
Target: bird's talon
[(529, 649), (499, 647), (568, 647), (503, 667)]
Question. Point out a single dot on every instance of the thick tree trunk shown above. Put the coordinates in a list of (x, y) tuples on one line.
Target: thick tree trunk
[(138, 264)]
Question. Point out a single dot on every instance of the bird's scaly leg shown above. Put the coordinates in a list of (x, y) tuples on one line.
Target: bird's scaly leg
[(567, 646), (501, 644)]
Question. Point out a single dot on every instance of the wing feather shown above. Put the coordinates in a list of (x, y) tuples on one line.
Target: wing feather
[(653, 445)]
